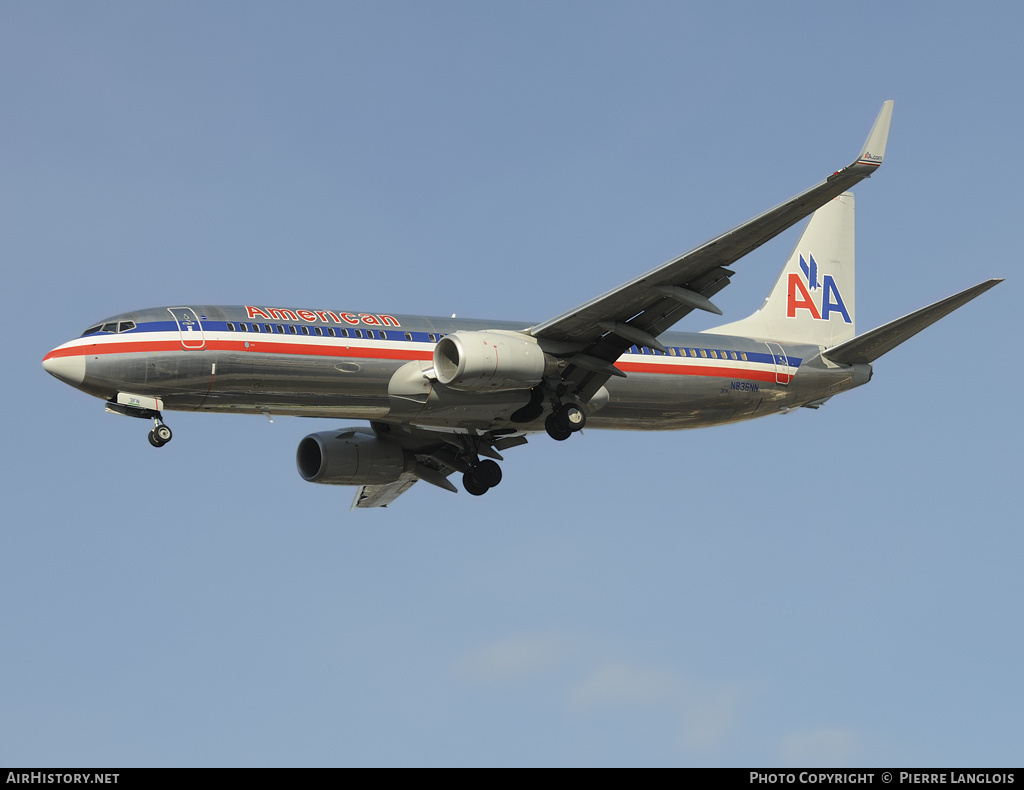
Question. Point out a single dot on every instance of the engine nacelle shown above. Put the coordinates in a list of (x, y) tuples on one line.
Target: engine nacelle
[(349, 457), (490, 361)]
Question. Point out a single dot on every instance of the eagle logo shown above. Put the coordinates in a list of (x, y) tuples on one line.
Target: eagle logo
[(810, 272)]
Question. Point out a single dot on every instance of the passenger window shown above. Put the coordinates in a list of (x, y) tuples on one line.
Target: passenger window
[(703, 353), (671, 352), (743, 355), (408, 336), (344, 333), (305, 330), (383, 335), (255, 327), (693, 352), (433, 337), (320, 332), (280, 329), (231, 327), (369, 333), (330, 331), (714, 354), (243, 327), (359, 332)]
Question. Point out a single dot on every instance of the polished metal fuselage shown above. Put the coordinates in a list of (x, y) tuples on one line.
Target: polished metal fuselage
[(300, 363)]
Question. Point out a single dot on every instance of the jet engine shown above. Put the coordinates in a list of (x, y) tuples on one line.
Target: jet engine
[(490, 361), (351, 456)]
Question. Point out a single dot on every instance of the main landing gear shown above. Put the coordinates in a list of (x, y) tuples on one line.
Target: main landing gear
[(481, 477), (564, 421), (161, 434)]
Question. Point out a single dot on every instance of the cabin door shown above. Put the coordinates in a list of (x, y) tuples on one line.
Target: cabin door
[(189, 327), (782, 374)]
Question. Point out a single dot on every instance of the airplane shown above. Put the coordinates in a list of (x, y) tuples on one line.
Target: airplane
[(448, 395)]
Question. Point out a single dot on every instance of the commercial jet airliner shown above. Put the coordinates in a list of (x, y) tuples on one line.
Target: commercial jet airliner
[(445, 395)]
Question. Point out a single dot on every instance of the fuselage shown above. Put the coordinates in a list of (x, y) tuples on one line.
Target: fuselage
[(321, 363)]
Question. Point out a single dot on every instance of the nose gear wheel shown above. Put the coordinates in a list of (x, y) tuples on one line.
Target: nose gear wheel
[(161, 434)]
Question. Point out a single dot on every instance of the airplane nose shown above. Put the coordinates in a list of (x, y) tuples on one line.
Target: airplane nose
[(70, 369)]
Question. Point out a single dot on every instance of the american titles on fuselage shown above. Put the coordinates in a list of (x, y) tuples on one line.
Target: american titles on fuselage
[(323, 316)]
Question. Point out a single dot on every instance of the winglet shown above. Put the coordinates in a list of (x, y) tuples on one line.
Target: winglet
[(873, 151)]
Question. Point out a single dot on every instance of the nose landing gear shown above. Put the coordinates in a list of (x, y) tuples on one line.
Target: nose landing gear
[(161, 434), (145, 408)]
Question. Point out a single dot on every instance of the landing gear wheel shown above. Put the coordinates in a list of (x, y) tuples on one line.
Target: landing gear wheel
[(472, 484), (160, 435), (572, 417), (488, 473), (554, 428)]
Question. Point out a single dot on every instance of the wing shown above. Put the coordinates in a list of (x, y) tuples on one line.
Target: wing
[(592, 336), (382, 496), (435, 455)]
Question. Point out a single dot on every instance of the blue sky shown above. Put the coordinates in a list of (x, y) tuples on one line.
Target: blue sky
[(838, 587)]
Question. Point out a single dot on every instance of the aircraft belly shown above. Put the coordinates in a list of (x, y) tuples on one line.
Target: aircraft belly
[(299, 385), (248, 382), (658, 402), (651, 402)]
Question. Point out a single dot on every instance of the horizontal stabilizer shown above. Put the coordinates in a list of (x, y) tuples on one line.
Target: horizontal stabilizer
[(870, 346)]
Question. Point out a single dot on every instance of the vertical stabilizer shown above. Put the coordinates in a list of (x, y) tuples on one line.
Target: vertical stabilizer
[(813, 300)]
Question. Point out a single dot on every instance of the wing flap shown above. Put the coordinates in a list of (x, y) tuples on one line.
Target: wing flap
[(382, 496)]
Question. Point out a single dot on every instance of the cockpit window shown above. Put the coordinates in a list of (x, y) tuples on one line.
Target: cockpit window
[(113, 327)]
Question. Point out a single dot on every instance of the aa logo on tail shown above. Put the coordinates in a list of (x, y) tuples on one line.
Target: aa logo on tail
[(799, 297)]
